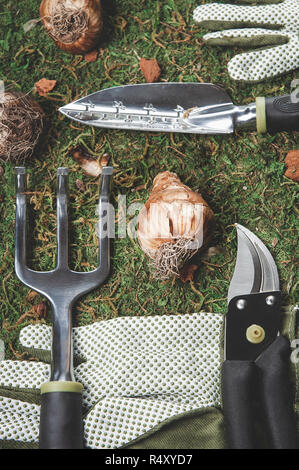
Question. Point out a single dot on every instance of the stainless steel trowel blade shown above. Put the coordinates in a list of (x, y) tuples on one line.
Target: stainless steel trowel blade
[(197, 108)]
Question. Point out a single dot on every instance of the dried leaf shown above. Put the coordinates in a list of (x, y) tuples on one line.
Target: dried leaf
[(139, 188), (40, 310), (80, 185), (88, 164), (274, 242), (104, 159), (150, 69), (187, 272), (91, 56), (30, 24), (212, 251), (44, 85), (31, 295), (292, 164)]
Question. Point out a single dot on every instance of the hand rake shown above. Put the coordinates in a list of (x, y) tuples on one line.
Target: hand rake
[(61, 425)]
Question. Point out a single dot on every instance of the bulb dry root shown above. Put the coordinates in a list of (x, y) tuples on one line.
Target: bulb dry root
[(21, 124), (74, 25), (169, 259), (67, 24)]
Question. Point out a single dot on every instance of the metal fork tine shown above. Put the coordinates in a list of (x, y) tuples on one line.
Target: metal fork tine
[(105, 219), (62, 218)]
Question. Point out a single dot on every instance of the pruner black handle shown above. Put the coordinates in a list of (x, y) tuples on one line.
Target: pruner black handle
[(61, 421), (277, 114), (238, 379), (277, 394), (267, 381)]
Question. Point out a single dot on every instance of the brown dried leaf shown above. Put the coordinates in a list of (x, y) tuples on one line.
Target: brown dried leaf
[(150, 69), (89, 165), (40, 310), (80, 185), (91, 56), (43, 86), (292, 164), (139, 188), (274, 242), (187, 272), (31, 295), (104, 159)]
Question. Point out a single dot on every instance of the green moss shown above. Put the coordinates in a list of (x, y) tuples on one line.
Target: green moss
[(241, 177)]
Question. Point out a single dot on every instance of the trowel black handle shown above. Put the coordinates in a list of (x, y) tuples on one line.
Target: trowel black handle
[(277, 114), (61, 421)]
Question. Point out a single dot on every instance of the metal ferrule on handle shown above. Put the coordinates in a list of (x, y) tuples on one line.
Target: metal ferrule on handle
[(245, 116)]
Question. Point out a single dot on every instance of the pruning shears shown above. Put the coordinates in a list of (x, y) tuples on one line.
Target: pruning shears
[(257, 392)]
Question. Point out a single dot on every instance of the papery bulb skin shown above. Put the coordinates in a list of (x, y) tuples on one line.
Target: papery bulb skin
[(74, 25), (173, 225)]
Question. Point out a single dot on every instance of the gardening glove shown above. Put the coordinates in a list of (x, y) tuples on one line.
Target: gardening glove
[(140, 375), (273, 28)]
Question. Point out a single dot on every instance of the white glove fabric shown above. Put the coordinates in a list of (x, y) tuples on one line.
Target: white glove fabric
[(275, 25), (138, 372)]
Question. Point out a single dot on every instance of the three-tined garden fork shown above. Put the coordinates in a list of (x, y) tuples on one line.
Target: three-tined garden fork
[(61, 422)]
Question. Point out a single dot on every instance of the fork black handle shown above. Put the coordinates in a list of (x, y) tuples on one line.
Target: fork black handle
[(61, 422)]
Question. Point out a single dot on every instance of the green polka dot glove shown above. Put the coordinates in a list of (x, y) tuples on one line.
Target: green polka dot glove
[(140, 375), (272, 27)]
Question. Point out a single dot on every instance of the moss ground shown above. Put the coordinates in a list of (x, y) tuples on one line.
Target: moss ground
[(241, 176)]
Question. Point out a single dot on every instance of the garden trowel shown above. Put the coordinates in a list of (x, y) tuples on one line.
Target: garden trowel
[(196, 108)]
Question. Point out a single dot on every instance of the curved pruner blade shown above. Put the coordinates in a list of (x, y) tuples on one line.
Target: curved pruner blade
[(255, 269)]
